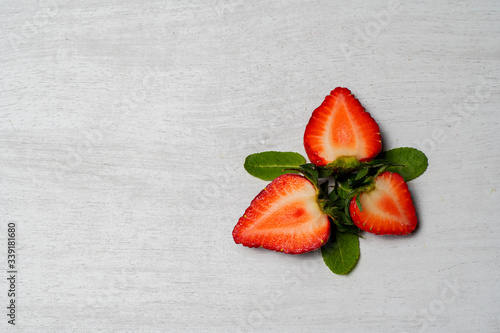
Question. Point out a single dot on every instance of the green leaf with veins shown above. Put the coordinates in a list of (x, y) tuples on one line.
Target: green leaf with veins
[(310, 172), (361, 174), (413, 162), (341, 252), (271, 164), (323, 173)]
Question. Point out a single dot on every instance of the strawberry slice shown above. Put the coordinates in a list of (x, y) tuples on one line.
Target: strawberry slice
[(341, 127), (284, 217), (387, 209)]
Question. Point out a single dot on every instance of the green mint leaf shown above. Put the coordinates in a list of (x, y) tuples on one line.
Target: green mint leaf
[(350, 229), (310, 172), (323, 173), (341, 253), (413, 160), (343, 188), (271, 164), (361, 174), (333, 196), (345, 219)]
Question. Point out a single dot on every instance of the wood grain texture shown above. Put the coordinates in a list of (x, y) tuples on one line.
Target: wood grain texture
[(124, 127)]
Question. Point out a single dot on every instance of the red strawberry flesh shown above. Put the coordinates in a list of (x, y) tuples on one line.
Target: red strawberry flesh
[(341, 127), (387, 209), (284, 217)]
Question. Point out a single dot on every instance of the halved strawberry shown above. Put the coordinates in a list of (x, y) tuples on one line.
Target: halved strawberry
[(285, 217), (387, 209), (341, 127)]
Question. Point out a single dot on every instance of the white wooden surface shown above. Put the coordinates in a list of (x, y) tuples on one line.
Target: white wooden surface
[(124, 127)]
